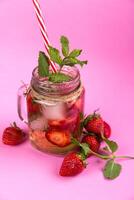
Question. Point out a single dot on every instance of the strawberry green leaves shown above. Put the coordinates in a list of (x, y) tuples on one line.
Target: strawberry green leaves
[(65, 45), (87, 119), (112, 170), (43, 65), (113, 146), (84, 147)]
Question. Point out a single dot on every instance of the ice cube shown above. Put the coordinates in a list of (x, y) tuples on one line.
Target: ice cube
[(39, 123), (56, 111)]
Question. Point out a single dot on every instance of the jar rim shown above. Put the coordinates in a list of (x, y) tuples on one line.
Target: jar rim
[(46, 87), (45, 79)]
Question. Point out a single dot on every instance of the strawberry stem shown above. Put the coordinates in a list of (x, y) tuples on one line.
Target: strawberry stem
[(15, 125), (86, 150), (74, 141), (105, 157), (128, 157), (112, 156), (94, 113)]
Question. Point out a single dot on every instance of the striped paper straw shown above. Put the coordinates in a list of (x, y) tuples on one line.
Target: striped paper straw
[(43, 30)]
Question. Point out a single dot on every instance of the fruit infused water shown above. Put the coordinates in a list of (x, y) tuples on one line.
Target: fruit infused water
[(54, 111), (55, 100)]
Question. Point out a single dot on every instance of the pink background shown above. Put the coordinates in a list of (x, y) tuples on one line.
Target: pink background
[(105, 30)]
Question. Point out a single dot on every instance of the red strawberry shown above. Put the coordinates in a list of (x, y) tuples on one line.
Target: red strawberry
[(93, 142), (72, 165), (13, 135), (60, 138), (32, 107), (56, 123), (107, 130), (94, 124)]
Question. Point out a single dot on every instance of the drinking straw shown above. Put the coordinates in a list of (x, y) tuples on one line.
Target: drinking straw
[(43, 31)]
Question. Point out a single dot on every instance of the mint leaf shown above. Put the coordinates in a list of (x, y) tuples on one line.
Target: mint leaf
[(112, 145), (69, 61), (81, 63), (73, 61), (59, 78), (111, 170), (65, 45), (55, 55), (43, 64), (75, 53)]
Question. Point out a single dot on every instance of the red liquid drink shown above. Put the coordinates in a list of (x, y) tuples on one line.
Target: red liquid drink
[(54, 111)]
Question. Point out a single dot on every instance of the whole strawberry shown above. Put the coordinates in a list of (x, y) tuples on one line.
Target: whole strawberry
[(94, 123), (72, 165), (92, 141), (13, 135), (107, 130)]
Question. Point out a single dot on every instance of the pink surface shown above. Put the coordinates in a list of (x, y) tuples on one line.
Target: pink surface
[(104, 29)]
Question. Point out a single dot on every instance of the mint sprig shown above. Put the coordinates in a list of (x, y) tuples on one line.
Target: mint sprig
[(66, 57)]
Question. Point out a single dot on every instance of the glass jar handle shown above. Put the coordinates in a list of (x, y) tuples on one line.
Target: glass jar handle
[(21, 103)]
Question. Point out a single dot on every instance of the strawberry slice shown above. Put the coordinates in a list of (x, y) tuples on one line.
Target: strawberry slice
[(32, 107), (59, 137), (56, 124), (39, 140)]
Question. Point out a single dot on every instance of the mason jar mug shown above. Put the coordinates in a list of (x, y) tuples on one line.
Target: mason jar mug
[(53, 111)]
